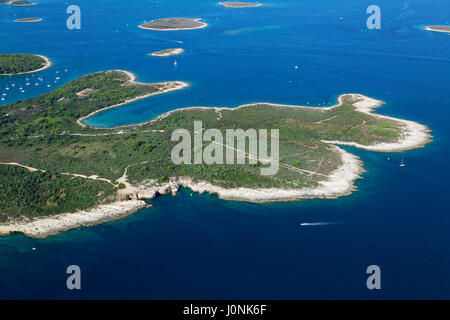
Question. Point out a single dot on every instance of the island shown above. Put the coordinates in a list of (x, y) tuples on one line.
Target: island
[(28, 20), (15, 64), (438, 28), (172, 24), (168, 52), (238, 4), (17, 3), (21, 3), (57, 173)]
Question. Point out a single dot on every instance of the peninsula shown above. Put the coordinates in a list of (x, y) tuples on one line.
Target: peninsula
[(238, 4), (14, 64), (76, 175), (438, 28), (172, 24), (168, 52)]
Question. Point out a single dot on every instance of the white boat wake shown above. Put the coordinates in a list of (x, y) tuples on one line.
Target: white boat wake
[(314, 224)]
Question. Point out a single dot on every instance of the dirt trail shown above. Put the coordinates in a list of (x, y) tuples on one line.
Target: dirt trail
[(31, 169)]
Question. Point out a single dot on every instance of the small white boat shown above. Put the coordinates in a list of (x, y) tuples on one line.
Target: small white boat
[(402, 163), (49, 85), (13, 85), (27, 84), (175, 63), (7, 88), (57, 78)]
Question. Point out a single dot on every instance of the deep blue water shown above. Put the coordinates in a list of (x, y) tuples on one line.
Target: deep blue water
[(197, 246)]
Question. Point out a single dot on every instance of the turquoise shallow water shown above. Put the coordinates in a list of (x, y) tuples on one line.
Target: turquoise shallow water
[(197, 246)]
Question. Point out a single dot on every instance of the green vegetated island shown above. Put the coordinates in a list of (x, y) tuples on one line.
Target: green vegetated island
[(239, 4), (172, 24), (439, 28), (57, 173), (12, 64)]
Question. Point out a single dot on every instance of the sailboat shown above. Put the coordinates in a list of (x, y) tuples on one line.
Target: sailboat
[(402, 163)]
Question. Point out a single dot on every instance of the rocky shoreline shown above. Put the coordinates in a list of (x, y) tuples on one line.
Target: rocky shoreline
[(339, 183), (414, 135), (52, 225)]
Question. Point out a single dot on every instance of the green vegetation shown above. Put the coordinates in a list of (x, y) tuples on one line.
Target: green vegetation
[(386, 125), (384, 132), (43, 133), (34, 194), (17, 63), (57, 111)]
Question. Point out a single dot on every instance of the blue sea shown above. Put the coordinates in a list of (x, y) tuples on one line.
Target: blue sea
[(197, 246)]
